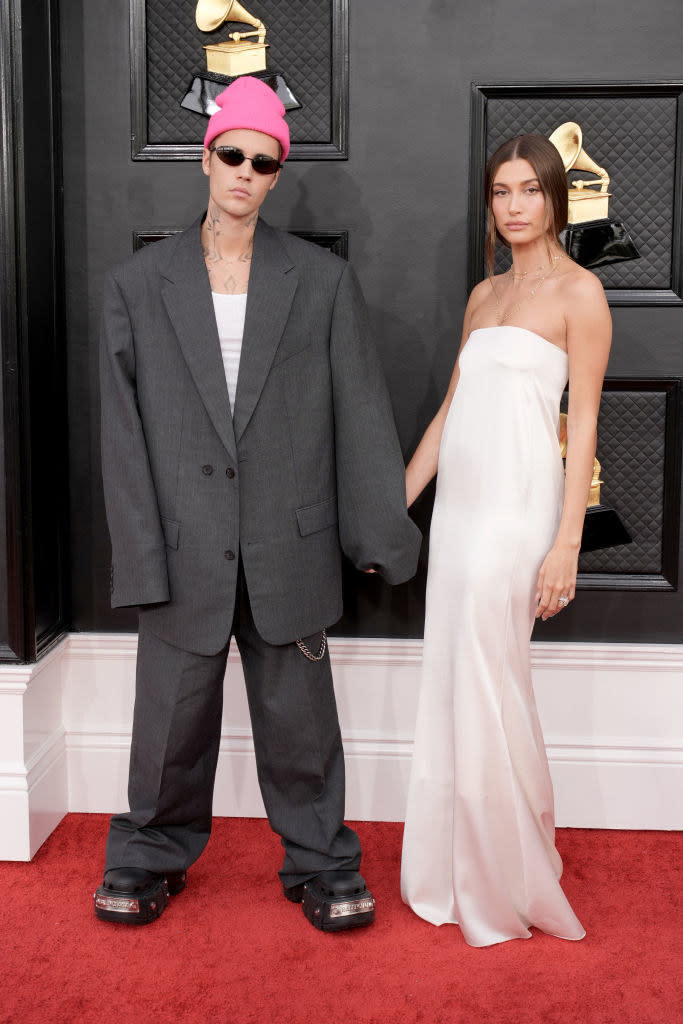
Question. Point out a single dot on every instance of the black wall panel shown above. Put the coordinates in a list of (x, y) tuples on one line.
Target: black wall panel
[(307, 43), (402, 195), (33, 564), (5, 645), (646, 176)]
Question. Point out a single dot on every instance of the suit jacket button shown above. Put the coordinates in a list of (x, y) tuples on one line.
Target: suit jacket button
[(207, 470), (230, 472), (229, 555)]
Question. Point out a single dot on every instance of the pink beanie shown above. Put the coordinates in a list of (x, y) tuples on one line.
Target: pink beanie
[(249, 103)]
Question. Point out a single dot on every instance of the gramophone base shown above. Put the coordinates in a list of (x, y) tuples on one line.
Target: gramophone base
[(201, 96), (586, 205), (602, 528), (598, 243), (235, 59)]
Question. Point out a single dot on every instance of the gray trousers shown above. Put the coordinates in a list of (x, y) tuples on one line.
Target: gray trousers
[(174, 751)]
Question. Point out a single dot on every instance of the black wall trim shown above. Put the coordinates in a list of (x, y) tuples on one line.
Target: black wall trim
[(481, 95), (336, 241), (670, 484), (147, 236), (13, 645), (334, 149)]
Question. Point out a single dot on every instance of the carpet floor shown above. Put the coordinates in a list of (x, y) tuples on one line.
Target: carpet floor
[(231, 949)]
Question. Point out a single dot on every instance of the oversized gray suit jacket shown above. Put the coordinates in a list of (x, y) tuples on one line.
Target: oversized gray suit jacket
[(308, 466)]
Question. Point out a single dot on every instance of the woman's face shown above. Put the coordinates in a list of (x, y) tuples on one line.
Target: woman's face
[(517, 202)]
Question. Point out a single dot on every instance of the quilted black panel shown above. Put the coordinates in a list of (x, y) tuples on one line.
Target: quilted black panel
[(300, 36), (634, 138), (631, 450)]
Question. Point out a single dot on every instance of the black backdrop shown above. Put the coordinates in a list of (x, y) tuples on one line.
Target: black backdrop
[(402, 196)]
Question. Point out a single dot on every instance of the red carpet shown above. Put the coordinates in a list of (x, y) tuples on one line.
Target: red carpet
[(231, 949)]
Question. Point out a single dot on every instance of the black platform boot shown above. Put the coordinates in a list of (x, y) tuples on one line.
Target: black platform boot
[(335, 900), (135, 895)]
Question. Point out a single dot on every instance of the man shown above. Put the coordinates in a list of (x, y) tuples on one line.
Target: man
[(247, 439)]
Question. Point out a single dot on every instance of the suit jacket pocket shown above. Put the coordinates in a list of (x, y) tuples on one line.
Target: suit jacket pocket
[(288, 353), (171, 529), (312, 518)]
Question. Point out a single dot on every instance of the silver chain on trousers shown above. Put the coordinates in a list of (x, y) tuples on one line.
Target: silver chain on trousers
[(314, 657)]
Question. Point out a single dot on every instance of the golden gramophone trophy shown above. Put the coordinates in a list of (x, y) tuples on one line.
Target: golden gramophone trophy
[(242, 53), (234, 56), (602, 527), (592, 237)]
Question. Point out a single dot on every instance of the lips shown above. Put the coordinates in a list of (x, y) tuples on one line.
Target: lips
[(517, 224), (240, 193)]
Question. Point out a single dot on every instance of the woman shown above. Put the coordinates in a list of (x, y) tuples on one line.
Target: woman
[(479, 846)]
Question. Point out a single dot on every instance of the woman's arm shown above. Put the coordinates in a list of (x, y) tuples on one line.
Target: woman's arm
[(589, 335), (423, 465)]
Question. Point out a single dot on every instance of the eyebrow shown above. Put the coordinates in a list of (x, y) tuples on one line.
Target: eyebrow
[(528, 181)]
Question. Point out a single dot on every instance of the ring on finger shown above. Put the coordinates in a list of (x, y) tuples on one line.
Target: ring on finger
[(563, 600)]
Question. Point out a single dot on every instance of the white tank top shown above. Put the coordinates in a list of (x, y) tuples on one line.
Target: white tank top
[(230, 311)]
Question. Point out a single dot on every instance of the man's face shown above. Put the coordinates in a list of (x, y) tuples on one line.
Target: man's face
[(240, 191)]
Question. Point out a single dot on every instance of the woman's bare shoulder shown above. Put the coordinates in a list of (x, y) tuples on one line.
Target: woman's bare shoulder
[(482, 291), (578, 283), (586, 312)]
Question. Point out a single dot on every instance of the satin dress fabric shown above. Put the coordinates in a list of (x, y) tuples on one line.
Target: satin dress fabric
[(479, 840)]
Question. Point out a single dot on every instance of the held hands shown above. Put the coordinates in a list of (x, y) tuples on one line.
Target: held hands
[(557, 580)]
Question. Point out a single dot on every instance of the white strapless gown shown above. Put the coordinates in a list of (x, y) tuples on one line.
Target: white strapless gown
[(479, 840)]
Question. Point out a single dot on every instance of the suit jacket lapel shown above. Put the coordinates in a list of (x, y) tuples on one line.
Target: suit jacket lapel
[(186, 293), (272, 283)]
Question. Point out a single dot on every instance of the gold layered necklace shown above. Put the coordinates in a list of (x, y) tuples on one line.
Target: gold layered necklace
[(501, 317)]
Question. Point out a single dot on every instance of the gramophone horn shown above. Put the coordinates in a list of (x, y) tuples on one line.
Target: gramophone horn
[(567, 140), (211, 14)]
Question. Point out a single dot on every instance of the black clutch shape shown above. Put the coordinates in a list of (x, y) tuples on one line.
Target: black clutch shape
[(597, 243), (602, 528)]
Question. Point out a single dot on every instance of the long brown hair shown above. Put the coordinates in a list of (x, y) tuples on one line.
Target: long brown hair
[(549, 169)]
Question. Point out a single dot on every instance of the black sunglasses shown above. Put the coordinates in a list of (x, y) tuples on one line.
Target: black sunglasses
[(233, 157)]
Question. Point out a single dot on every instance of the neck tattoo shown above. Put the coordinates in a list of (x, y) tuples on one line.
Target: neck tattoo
[(228, 269), (214, 229)]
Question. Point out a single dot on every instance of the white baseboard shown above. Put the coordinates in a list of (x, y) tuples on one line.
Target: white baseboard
[(611, 715), (33, 764)]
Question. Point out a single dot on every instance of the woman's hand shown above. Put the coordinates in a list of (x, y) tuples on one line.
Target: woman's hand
[(557, 580)]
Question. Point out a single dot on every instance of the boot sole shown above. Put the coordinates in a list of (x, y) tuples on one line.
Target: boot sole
[(331, 913), (132, 908)]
